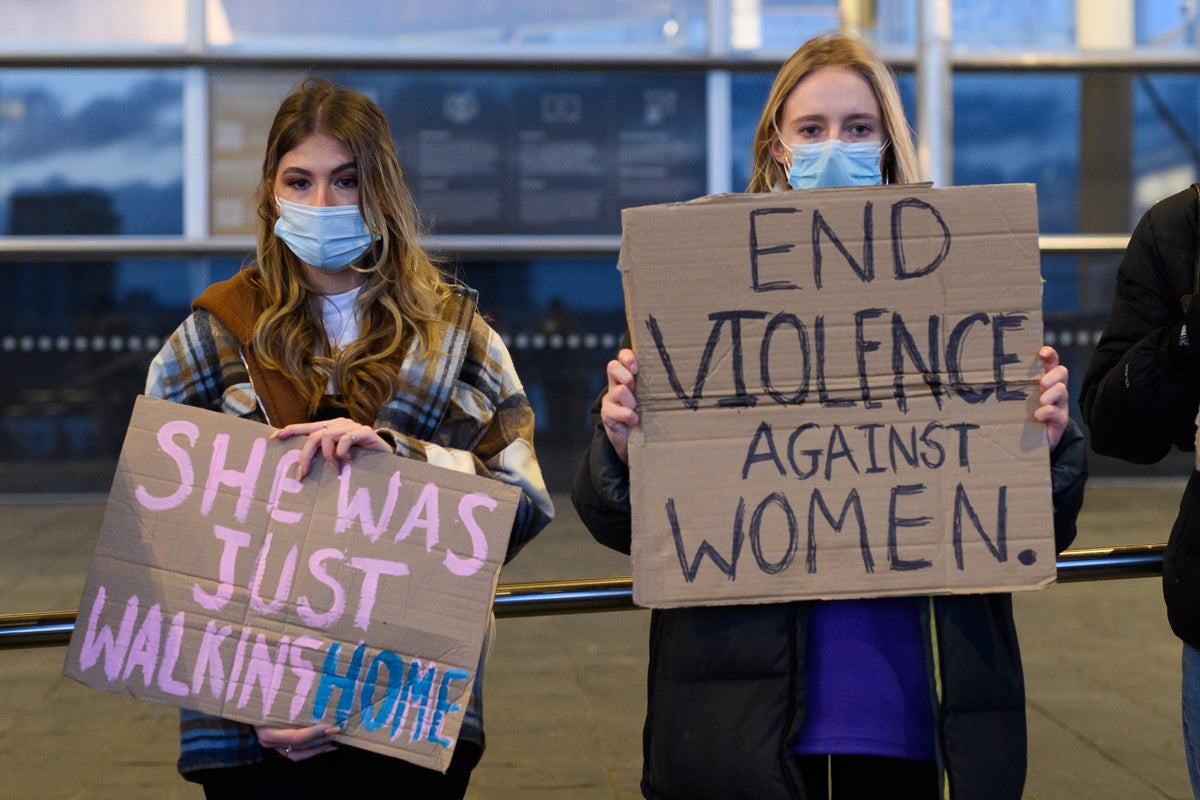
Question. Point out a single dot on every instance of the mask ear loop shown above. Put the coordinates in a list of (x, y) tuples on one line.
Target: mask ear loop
[(883, 148)]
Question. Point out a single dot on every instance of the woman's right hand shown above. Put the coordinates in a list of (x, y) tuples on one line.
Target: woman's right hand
[(618, 409), (298, 744)]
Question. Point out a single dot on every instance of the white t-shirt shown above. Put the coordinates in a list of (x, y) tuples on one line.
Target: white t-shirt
[(339, 313)]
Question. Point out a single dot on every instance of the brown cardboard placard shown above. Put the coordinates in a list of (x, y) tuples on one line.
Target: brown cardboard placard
[(222, 584), (836, 390)]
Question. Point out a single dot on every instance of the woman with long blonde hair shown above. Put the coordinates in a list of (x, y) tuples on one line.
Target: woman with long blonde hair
[(344, 333), (899, 156), (911, 697)]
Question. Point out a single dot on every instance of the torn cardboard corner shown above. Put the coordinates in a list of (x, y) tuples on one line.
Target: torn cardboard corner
[(836, 391), (221, 583)]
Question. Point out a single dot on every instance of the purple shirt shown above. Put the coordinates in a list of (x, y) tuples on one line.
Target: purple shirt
[(865, 680)]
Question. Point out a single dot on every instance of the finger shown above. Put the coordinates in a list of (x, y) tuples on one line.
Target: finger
[(628, 359), (276, 737), (1055, 394), (298, 429), (1056, 377), (344, 444), (329, 443), (1049, 357), (307, 453), (621, 396), (618, 375), (619, 414)]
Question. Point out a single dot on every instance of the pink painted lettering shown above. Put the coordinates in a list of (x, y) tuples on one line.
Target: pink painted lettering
[(242, 480), (423, 514), (283, 586), (359, 507), (316, 566), (166, 440), (234, 541), (372, 568), (285, 484), (456, 564)]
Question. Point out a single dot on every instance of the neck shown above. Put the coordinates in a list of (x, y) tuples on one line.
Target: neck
[(336, 283)]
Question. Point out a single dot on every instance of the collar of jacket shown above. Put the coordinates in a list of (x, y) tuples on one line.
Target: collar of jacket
[(235, 303)]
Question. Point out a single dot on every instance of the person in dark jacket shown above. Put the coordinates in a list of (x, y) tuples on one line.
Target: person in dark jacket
[(784, 700), (1140, 398)]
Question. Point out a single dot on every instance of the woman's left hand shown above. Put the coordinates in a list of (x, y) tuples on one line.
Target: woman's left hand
[(334, 438), (1055, 398)]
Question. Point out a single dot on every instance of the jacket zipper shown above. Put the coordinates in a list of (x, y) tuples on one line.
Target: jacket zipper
[(253, 391), (943, 773)]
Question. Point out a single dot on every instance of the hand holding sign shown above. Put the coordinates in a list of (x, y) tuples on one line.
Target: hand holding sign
[(1053, 383), (618, 409), (298, 744), (333, 438)]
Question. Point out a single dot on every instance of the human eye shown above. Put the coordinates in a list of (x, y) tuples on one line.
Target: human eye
[(810, 131), (347, 182), (299, 184)]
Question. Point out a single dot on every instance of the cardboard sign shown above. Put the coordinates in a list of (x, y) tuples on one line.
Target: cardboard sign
[(836, 391), (221, 583)]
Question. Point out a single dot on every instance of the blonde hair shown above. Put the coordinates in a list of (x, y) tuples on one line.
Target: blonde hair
[(835, 50), (404, 291)]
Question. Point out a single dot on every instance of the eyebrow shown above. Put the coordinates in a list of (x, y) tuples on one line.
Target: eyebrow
[(349, 165)]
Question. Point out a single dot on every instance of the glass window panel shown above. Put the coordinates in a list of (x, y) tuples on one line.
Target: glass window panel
[(51, 25), (1165, 24), (459, 26), (779, 25), (1166, 158), (1013, 24), (93, 152), (496, 152), (1021, 129), (76, 340)]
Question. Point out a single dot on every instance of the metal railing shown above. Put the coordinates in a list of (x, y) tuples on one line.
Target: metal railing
[(26, 249), (54, 628)]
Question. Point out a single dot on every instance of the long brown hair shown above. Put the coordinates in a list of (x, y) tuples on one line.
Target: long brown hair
[(900, 163), (404, 291)]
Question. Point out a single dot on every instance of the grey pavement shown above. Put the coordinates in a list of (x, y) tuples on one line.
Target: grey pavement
[(564, 694)]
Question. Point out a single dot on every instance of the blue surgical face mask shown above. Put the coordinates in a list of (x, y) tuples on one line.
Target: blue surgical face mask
[(326, 238), (835, 163)]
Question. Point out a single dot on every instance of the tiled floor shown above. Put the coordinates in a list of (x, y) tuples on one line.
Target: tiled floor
[(565, 693)]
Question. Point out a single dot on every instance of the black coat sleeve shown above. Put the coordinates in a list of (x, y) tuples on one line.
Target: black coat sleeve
[(601, 491), (1136, 403), (1068, 475)]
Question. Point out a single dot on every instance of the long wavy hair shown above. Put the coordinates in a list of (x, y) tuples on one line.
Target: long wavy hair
[(900, 163), (404, 291)]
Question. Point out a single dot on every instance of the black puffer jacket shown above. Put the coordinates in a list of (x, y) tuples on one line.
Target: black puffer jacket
[(726, 683), (1139, 399)]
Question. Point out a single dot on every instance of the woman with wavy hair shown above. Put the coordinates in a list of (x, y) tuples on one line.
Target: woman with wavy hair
[(907, 697), (344, 333)]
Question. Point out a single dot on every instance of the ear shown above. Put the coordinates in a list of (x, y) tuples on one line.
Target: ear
[(782, 154)]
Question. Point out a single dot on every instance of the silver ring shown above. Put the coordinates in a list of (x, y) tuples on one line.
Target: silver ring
[(353, 438), (287, 751)]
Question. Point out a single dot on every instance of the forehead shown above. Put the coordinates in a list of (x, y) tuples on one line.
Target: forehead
[(317, 152), (830, 92)]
